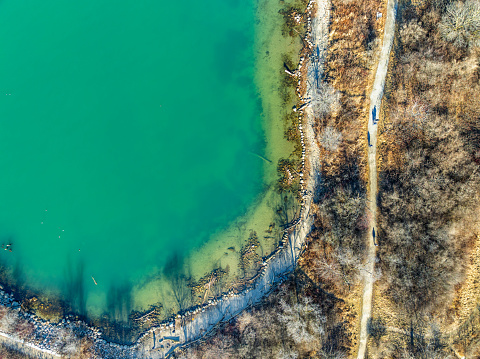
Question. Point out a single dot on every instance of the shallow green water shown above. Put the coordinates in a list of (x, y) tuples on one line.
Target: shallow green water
[(126, 132)]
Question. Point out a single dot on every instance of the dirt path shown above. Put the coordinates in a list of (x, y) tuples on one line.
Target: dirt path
[(375, 103)]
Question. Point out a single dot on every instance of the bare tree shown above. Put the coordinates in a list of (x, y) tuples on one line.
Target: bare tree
[(304, 321), (24, 328), (323, 99), (9, 321), (331, 138), (246, 319), (418, 205), (412, 34), (328, 269), (188, 353), (286, 353), (461, 23), (332, 354), (221, 348), (67, 342)]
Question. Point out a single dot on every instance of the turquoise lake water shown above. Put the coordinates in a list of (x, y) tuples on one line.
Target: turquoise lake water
[(126, 134)]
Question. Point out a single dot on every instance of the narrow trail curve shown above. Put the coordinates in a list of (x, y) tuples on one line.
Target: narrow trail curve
[(375, 103)]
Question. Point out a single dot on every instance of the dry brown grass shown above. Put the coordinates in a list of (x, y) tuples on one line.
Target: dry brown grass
[(351, 60), (468, 295), (464, 325)]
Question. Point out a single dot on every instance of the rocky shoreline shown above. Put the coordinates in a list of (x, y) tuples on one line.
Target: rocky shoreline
[(45, 339)]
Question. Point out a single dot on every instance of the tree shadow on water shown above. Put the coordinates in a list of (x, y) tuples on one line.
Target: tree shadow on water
[(119, 301), (116, 324), (74, 285), (179, 278)]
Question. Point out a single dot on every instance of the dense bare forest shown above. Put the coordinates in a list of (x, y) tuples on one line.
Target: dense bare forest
[(429, 174), (298, 320)]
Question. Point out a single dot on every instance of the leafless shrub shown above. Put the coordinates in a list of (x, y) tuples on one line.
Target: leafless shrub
[(351, 263), (304, 321), (9, 321), (221, 347), (412, 34), (340, 222), (363, 222), (377, 275), (418, 112), (332, 354), (67, 342), (328, 269), (461, 23), (188, 353), (246, 319), (324, 98), (286, 354), (331, 139), (376, 328), (24, 328)]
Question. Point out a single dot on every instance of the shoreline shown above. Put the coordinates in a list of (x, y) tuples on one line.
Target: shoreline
[(192, 326), (225, 247), (198, 321)]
